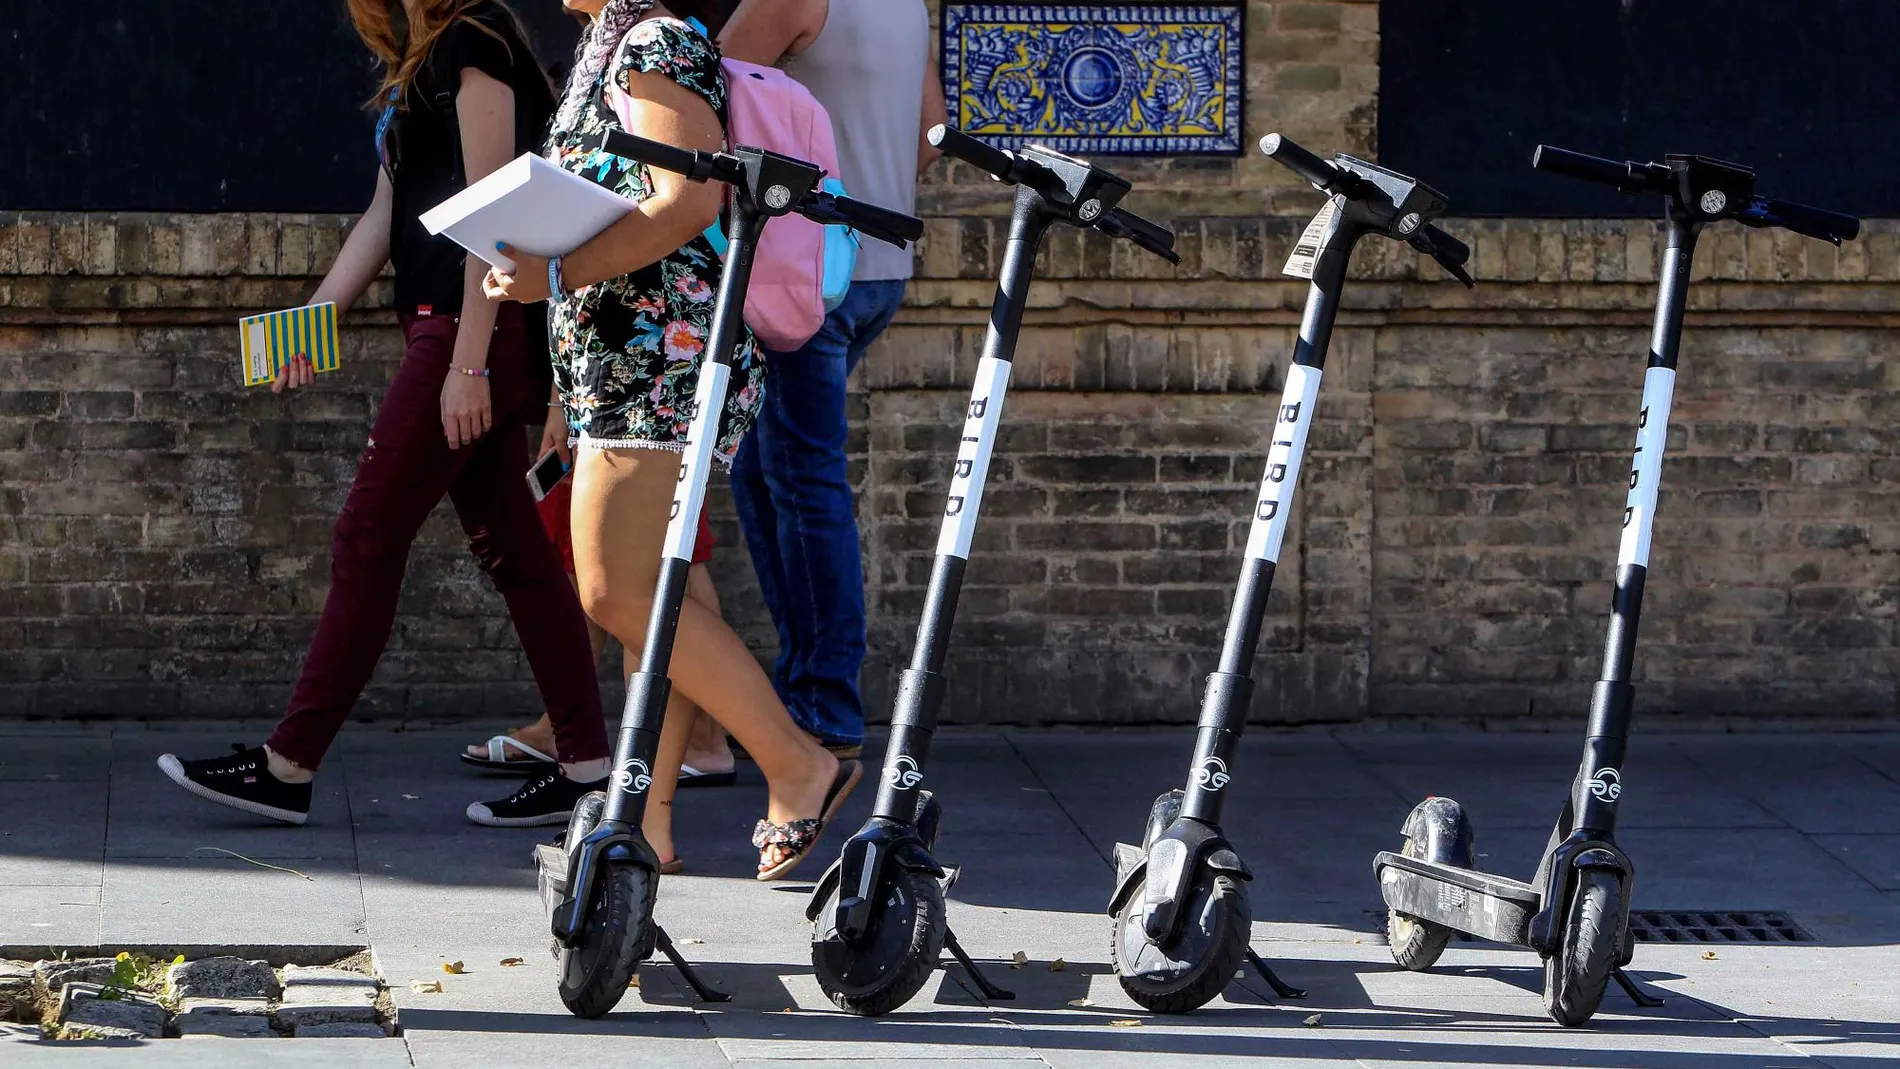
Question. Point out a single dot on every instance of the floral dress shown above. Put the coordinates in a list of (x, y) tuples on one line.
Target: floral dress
[(628, 349)]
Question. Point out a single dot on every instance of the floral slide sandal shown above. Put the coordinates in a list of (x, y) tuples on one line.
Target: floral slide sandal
[(531, 762), (799, 836)]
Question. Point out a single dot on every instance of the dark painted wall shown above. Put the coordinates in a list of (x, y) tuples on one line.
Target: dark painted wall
[(1804, 91), (195, 105)]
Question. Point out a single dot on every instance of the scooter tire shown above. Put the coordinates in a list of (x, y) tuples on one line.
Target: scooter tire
[(1576, 976), (1225, 925), (595, 971), (895, 958), (1416, 944)]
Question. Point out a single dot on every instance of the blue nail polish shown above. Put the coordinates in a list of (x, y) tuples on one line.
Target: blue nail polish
[(500, 245)]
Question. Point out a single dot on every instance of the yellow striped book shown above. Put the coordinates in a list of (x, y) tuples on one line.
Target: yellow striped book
[(271, 339)]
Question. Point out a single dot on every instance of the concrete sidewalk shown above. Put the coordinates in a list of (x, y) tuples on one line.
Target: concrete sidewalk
[(98, 849)]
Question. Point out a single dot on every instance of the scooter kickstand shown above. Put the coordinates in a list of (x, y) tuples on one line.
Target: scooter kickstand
[(706, 993), (1280, 987), (1635, 990), (989, 990)]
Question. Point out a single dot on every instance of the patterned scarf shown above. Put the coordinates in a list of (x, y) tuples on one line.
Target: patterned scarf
[(597, 46)]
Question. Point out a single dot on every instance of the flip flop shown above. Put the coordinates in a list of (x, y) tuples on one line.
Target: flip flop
[(536, 762), (801, 835), (693, 777)]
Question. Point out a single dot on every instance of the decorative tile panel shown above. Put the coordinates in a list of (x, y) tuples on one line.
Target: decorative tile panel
[(1097, 79)]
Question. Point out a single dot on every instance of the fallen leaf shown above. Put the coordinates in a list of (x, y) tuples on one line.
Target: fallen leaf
[(1058, 965), (426, 987), (689, 941), (633, 981), (1129, 1023), (1019, 960), (1358, 940), (1708, 955), (413, 797), (1080, 1003), (513, 961), (1311, 1022), (453, 968)]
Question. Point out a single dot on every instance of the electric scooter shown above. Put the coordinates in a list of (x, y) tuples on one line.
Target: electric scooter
[(1575, 910), (602, 918), (878, 922), (1182, 917)]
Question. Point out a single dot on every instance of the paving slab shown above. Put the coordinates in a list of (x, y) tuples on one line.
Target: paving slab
[(1875, 857), (51, 845), (222, 901), (198, 1053), (67, 754), (55, 915)]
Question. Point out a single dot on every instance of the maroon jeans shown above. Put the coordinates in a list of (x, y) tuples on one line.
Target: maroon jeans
[(404, 472)]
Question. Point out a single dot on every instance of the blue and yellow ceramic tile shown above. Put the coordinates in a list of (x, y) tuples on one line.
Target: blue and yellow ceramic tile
[(1097, 79)]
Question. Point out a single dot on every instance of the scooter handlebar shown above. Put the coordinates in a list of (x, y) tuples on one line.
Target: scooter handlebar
[(695, 165), (955, 143), (1119, 223), (1813, 222), (1628, 176), (1279, 148), (893, 228)]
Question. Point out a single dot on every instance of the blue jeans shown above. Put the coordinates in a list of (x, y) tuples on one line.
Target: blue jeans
[(800, 520)]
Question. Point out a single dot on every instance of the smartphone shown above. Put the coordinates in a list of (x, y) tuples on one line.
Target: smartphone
[(546, 474)]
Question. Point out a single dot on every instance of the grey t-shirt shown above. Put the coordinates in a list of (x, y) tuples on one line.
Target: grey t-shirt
[(867, 68)]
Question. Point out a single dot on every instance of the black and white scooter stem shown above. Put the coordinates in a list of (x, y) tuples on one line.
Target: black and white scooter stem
[(1184, 836), (764, 185)]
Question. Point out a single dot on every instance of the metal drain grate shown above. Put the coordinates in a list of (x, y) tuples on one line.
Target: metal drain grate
[(1716, 926)]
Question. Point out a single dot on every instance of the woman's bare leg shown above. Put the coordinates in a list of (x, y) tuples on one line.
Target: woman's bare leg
[(619, 523), (706, 748)]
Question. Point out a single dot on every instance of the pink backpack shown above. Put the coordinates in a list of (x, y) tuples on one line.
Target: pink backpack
[(767, 109)]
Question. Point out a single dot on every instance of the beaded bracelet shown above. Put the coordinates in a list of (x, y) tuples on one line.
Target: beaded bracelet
[(477, 372)]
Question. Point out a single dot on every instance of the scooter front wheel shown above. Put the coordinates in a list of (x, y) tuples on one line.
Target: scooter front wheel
[(887, 967), (1215, 929), (1576, 976), (1416, 944), (596, 970)]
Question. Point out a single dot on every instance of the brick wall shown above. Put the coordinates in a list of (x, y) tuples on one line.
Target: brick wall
[(164, 533)]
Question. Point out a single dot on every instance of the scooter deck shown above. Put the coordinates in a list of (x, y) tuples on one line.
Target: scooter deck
[(1490, 907)]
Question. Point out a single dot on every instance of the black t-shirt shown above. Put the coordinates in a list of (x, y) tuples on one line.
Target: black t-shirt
[(422, 148)]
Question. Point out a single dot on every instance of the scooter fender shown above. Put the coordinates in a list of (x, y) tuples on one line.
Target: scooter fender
[(607, 844), (1440, 828), (1581, 850), (860, 872), (1173, 860), (1131, 862)]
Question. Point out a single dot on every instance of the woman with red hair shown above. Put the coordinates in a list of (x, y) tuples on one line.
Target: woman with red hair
[(461, 95)]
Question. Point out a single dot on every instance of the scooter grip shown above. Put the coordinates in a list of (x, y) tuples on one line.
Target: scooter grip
[(955, 143), (1580, 165), (1151, 236), (894, 228), (656, 154), (1813, 222), (1281, 149)]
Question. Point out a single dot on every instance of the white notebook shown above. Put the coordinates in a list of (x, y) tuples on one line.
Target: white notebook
[(531, 204)]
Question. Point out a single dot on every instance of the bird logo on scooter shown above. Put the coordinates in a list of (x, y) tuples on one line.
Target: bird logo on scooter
[(1212, 774), (633, 776), (1607, 784), (903, 773)]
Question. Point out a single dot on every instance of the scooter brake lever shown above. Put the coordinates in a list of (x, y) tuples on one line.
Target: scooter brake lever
[(1422, 242)]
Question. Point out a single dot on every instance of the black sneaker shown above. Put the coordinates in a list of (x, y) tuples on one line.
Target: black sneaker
[(241, 781), (548, 798)]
